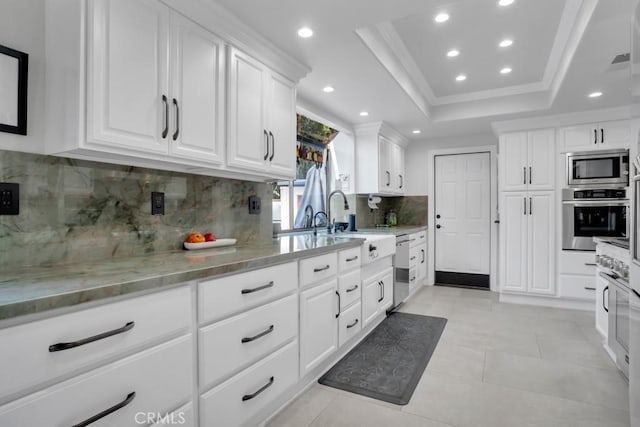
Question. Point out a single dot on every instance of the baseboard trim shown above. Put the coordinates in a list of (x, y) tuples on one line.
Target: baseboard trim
[(571, 304)]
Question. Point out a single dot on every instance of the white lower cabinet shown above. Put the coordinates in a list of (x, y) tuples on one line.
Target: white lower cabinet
[(237, 400), (349, 288), (319, 312), (234, 343), (377, 295), (577, 287), (602, 306), (154, 381), (349, 323)]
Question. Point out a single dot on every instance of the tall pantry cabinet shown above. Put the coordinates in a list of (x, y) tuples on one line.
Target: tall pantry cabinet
[(527, 212)]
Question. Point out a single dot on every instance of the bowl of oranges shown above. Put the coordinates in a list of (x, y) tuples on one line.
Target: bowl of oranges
[(198, 240)]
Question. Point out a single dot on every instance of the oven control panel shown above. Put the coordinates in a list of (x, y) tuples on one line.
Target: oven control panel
[(617, 266)]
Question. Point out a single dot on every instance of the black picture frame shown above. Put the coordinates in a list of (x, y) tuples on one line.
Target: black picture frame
[(20, 127)]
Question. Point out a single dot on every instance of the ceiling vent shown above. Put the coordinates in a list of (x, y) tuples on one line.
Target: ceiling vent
[(623, 57)]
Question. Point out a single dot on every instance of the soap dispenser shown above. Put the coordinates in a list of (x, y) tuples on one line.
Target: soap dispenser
[(392, 218)]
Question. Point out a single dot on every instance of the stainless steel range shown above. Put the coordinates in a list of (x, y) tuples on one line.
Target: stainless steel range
[(593, 212)]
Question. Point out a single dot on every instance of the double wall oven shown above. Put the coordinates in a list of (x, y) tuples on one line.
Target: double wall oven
[(596, 200)]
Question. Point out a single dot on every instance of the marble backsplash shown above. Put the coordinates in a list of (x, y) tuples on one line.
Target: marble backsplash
[(76, 211), (410, 210)]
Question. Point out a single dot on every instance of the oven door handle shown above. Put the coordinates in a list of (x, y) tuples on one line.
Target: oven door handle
[(615, 279)]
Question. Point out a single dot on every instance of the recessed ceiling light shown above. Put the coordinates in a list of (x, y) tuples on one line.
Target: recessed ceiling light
[(505, 2), (416, 131), (441, 17), (328, 89), (453, 53), (505, 70), (461, 78), (506, 43), (305, 32), (595, 94), (364, 113)]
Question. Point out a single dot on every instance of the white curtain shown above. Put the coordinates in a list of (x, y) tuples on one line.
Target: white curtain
[(313, 198)]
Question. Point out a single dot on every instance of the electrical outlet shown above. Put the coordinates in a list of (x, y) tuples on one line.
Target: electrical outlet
[(157, 203), (254, 205), (9, 198)]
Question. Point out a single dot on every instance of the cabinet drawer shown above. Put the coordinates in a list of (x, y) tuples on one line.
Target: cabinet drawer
[(350, 288), (578, 262), (418, 238), (415, 256), (349, 323), (219, 298), (241, 340), (161, 377), (154, 316), (317, 268), (237, 400), (349, 258), (577, 287)]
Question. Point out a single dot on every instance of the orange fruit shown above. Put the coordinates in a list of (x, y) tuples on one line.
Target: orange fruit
[(195, 238)]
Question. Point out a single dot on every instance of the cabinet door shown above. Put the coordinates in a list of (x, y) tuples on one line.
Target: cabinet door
[(541, 154), (513, 161), (197, 101), (247, 135), (318, 324), (602, 306), (615, 134), (513, 241), (385, 165), (127, 74), (281, 127), (371, 295), (541, 238), (387, 291), (422, 266), (399, 175), (579, 138)]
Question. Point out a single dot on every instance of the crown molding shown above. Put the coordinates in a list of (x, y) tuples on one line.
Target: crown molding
[(382, 128)]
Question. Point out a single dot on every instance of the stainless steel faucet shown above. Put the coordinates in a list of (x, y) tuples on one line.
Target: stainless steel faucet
[(346, 206), (314, 222)]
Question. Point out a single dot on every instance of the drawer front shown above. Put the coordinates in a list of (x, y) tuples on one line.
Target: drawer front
[(415, 256), (155, 316), (263, 329), (577, 287), (236, 401), (349, 259), (413, 278), (158, 389), (418, 238), (350, 288), (349, 323), (317, 268), (219, 298), (577, 262)]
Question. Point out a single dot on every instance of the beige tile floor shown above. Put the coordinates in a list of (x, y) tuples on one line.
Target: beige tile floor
[(495, 365)]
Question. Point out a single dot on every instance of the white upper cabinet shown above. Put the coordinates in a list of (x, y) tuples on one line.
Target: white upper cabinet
[(128, 75), (261, 121), (380, 160), (595, 136), (527, 161), (197, 101)]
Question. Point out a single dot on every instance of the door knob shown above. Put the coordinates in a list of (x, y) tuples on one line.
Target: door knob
[(438, 226)]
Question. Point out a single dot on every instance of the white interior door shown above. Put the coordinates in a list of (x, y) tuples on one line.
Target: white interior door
[(463, 213)]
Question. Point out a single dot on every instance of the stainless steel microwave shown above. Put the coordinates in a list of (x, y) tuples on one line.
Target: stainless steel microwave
[(598, 168)]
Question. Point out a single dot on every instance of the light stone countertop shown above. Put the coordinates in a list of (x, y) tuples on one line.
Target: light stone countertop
[(397, 231), (33, 290)]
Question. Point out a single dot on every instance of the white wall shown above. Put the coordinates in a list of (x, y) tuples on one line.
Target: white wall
[(22, 28), (417, 167)]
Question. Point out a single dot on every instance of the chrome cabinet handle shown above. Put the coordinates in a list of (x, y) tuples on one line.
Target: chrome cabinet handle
[(606, 288), (601, 136), (530, 205), (381, 297), (589, 288), (530, 174), (266, 142), (339, 304), (260, 335), (257, 392), (592, 264), (166, 116), (177, 132), (524, 175), (106, 412), (259, 288), (317, 270), (352, 259), (351, 325), (352, 289), (524, 199), (273, 146), (67, 345), (595, 136)]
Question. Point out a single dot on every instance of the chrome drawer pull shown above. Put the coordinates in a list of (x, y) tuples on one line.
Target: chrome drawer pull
[(67, 345), (263, 388), (355, 322), (589, 288), (106, 412), (259, 288), (317, 270), (352, 289), (352, 259), (260, 335), (590, 264)]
